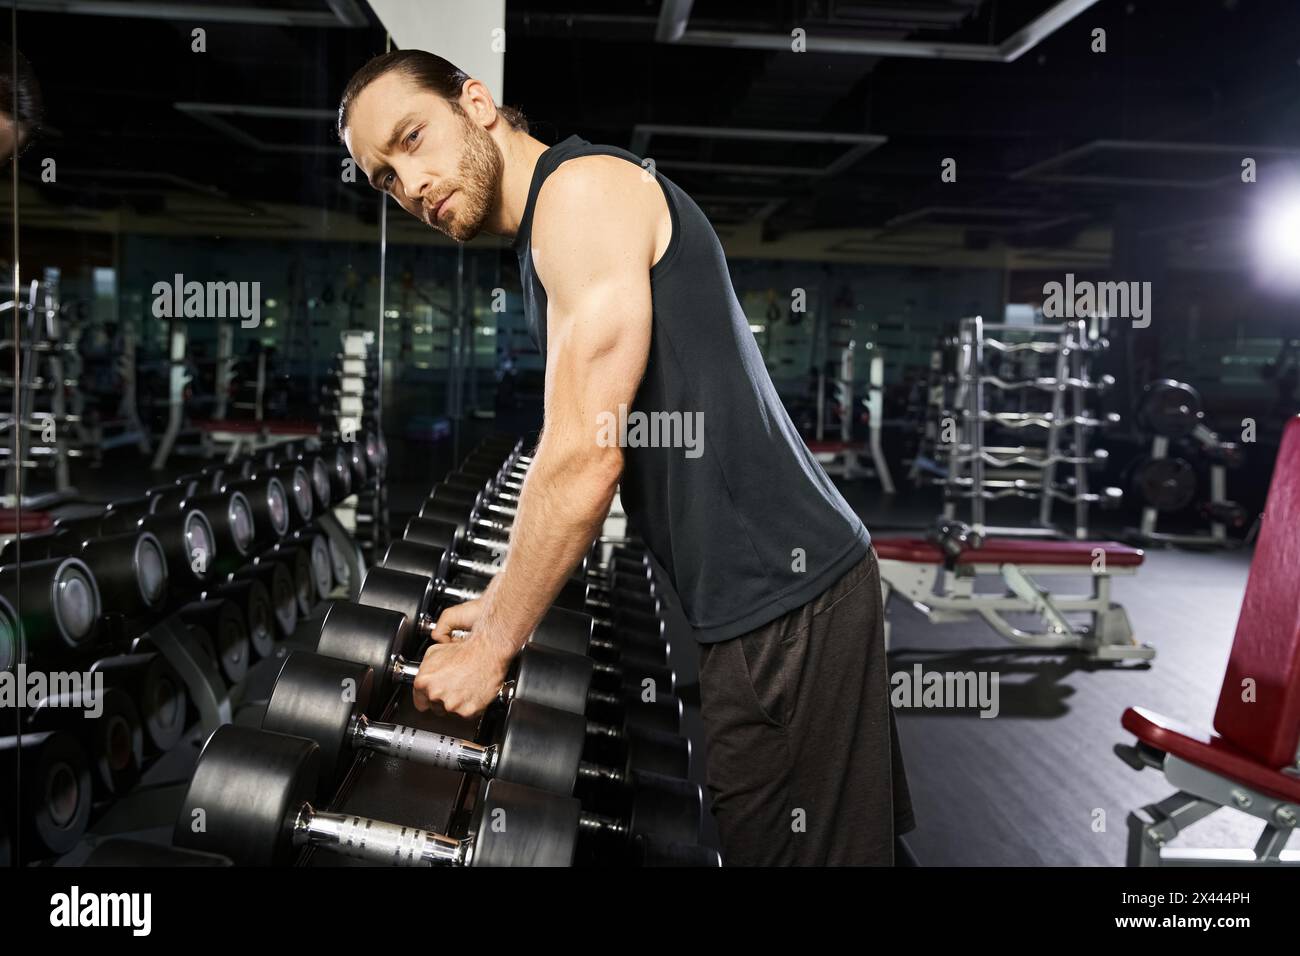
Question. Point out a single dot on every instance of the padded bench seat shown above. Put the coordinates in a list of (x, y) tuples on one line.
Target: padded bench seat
[(1209, 751), (1012, 551)]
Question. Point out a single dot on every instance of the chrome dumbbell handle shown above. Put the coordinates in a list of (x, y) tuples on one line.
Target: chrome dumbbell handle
[(494, 545), (597, 728), (506, 511), (404, 671), (422, 746), (601, 773), (390, 844), (493, 526), (596, 823), (481, 568)]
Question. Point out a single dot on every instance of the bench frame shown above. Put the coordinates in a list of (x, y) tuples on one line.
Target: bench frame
[(944, 595), (1200, 793)]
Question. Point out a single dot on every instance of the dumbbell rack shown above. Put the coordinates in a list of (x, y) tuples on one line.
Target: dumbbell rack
[(383, 787), (43, 392), (351, 407), (187, 645), (1052, 400)]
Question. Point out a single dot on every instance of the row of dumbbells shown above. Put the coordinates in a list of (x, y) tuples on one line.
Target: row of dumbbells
[(230, 556), (580, 758), (471, 513), (143, 557)]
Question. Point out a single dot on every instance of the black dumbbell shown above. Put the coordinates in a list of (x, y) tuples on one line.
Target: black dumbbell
[(159, 694), (501, 479), (230, 518), (282, 587), (492, 482), (220, 625), (317, 467), (250, 798), (332, 462), (190, 545), (130, 568), (481, 503), (594, 590), (169, 497), (60, 605), (254, 601), (108, 725), (504, 489), (433, 563), (269, 505), (120, 516), (297, 559), (53, 788), (341, 473), (414, 594), (359, 463), (380, 638), (573, 595), (326, 700), (298, 485), (321, 561)]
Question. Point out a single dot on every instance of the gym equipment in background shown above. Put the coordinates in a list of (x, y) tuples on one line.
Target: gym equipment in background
[(1014, 421), (937, 574), (350, 407), (46, 392), (1169, 480), (841, 455)]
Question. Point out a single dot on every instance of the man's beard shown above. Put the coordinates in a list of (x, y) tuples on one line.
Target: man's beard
[(478, 179)]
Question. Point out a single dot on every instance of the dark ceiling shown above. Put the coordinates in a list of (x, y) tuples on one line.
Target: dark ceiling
[(1047, 145)]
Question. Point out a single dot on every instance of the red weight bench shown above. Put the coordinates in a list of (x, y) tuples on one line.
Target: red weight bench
[(944, 590), (1249, 761)]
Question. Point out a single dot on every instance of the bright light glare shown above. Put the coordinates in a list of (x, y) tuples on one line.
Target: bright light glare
[(1278, 240)]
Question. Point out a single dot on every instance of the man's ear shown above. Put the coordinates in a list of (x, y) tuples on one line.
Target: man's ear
[(476, 100)]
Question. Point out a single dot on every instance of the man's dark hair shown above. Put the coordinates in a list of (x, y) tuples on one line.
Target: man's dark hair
[(427, 70)]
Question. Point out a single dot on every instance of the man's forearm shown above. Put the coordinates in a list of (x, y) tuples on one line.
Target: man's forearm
[(565, 498)]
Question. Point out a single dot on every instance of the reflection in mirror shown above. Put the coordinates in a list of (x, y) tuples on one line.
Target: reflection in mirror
[(20, 102), (21, 113)]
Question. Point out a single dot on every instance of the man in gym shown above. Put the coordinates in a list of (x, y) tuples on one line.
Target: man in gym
[(626, 290)]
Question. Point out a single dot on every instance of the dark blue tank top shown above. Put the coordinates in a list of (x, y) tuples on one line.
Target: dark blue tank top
[(737, 513)]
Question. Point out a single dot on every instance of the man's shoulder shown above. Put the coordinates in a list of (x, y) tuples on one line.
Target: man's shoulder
[(593, 177), (602, 195)]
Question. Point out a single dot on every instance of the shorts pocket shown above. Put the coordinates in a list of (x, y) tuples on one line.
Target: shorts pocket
[(774, 659)]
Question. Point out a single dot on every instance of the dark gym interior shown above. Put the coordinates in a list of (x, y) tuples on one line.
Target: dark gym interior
[(1023, 276)]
